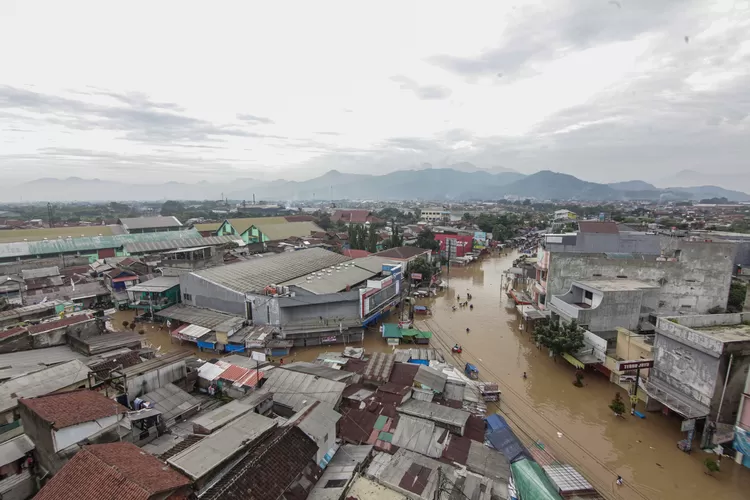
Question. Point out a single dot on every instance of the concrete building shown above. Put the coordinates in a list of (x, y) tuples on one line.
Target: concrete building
[(602, 305), (435, 215), (700, 367), (693, 277), (564, 216), (311, 296), (742, 427)]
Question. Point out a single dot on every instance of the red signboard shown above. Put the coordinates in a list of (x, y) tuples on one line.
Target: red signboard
[(416, 276), (638, 364)]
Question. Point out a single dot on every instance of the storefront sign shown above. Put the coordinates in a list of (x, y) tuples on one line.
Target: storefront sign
[(416, 276), (688, 425), (328, 340), (637, 364)]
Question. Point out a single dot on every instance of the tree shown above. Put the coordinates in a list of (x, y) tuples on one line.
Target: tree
[(559, 338), (171, 207), (372, 239), (426, 239), (467, 217), (617, 405), (324, 221), (421, 266), (501, 233), (736, 300), (711, 466)]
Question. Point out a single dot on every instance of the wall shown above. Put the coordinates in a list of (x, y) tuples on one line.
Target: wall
[(40, 433), (209, 295), (695, 283), (59, 336), (641, 243), (155, 379), (265, 309)]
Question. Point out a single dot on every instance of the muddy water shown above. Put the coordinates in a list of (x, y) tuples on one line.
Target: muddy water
[(573, 424)]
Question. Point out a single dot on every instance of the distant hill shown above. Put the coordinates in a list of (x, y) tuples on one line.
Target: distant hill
[(427, 183), (632, 186)]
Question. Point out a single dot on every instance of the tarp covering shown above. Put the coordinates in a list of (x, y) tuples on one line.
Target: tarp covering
[(206, 345), (573, 361), (504, 441), (495, 422), (531, 482), (234, 348)]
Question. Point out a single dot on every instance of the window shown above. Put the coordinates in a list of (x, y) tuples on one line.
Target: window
[(588, 295), (325, 438), (187, 296)]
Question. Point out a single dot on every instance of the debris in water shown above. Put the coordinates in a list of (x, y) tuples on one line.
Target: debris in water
[(559, 434)]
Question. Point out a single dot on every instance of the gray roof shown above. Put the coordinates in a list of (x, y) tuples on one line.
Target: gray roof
[(316, 422), (404, 355), (42, 272), (154, 364), (86, 244), (418, 435), (42, 382), (435, 412), (488, 462), (319, 371), (207, 454), (379, 367), (431, 378), (160, 284), (13, 449), (80, 291), (294, 389), (219, 417), (207, 318), (256, 274), (149, 222), (342, 466), (332, 280), (156, 246), (275, 232), (111, 341), (20, 363), (171, 401)]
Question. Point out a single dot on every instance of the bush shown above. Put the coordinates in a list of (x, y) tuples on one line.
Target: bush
[(141, 332), (711, 466), (617, 405), (132, 326), (125, 324)]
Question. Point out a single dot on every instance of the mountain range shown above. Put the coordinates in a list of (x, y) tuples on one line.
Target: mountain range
[(465, 182)]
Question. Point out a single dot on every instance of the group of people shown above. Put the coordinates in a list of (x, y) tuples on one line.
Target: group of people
[(465, 303)]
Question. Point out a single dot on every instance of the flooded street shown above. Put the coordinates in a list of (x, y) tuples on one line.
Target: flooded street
[(574, 424)]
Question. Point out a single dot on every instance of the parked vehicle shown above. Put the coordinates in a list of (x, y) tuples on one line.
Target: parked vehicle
[(471, 371)]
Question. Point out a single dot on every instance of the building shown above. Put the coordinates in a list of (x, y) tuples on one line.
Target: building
[(700, 368), (405, 255), (15, 450), (435, 215), (564, 216), (340, 473), (455, 245), (318, 420), (58, 423), (693, 277), (311, 297), (353, 216), (602, 305), (292, 390), (116, 470), (154, 295), (742, 427), (134, 225)]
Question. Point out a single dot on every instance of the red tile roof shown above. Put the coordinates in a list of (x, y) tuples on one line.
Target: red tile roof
[(13, 331), (355, 216), (402, 253), (116, 471), (356, 254), (60, 323), (70, 408)]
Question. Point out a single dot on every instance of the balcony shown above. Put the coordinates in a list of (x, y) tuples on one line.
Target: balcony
[(562, 308)]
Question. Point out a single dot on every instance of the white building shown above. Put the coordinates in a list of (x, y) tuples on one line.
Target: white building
[(435, 215)]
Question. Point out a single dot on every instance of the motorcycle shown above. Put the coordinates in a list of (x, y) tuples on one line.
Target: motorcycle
[(457, 349)]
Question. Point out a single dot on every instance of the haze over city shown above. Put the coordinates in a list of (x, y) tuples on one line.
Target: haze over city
[(189, 92)]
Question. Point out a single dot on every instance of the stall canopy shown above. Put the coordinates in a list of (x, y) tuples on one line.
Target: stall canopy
[(531, 482), (192, 332), (506, 442)]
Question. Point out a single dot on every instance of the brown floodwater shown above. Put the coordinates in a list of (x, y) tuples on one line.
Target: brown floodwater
[(572, 424)]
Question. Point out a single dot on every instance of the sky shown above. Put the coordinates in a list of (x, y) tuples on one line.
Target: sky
[(191, 91)]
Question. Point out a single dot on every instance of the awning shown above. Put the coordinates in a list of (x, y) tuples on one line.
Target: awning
[(573, 361), (193, 332)]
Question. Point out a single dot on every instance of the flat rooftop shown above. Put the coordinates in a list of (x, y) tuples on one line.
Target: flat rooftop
[(727, 333), (616, 284)]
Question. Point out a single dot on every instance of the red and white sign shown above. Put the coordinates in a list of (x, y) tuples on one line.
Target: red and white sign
[(416, 276)]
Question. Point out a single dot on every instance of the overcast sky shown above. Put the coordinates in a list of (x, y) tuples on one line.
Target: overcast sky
[(189, 91)]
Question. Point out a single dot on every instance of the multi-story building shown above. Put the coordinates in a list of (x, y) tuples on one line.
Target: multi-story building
[(435, 215), (692, 276)]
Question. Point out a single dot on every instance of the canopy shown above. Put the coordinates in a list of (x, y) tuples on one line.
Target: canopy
[(531, 482), (573, 361)]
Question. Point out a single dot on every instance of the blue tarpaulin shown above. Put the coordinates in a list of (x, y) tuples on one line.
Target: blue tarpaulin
[(504, 441), (495, 422), (419, 362), (234, 348), (206, 345)]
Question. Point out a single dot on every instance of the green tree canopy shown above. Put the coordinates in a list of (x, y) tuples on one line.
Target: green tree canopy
[(171, 207), (559, 338), (426, 239), (422, 267)]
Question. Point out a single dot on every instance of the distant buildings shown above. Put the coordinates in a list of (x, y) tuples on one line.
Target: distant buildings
[(135, 225), (435, 215)]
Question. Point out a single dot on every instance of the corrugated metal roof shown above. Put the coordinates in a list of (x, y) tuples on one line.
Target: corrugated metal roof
[(192, 331), (171, 401), (435, 412), (42, 382), (343, 465), (160, 284), (207, 318), (488, 462), (275, 232), (209, 453), (419, 435), (319, 371), (222, 415), (13, 449), (20, 363), (332, 280), (42, 272), (149, 222), (379, 367), (155, 246), (87, 244), (293, 389), (256, 274), (431, 378)]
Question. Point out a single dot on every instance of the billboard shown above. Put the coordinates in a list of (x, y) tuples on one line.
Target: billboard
[(372, 299)]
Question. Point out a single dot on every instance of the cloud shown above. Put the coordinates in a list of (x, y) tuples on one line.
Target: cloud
[(135, 117), (245, 117), (424, 92)]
